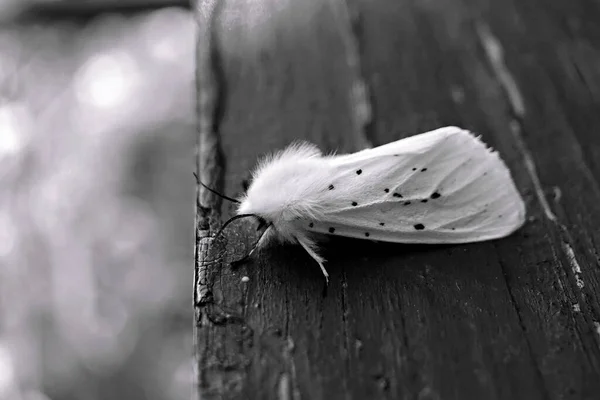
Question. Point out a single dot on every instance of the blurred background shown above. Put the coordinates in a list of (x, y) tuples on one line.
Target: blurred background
[(96, 199)]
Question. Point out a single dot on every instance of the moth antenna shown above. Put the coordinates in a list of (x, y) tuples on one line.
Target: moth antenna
[(214, 191)]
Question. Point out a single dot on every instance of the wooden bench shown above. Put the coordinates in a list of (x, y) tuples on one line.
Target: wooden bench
[(517, 318)]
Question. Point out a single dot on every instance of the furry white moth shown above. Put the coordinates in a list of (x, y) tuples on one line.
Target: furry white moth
[(443, 186)]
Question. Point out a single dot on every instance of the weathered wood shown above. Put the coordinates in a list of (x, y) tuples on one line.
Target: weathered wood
[(513, 318)]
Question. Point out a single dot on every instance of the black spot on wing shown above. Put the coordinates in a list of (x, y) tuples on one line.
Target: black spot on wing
[(311, 225), (331, 230), (382, 223), (423, 169), (419, 227), (397, 195), (406, 203), (354, 204), (386, 190), (358, 172), (367, 234), (331, 187), (414, 169), (424, 201), (435, 195)]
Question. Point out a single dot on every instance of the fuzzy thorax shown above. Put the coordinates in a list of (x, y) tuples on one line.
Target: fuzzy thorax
[(285, 188)]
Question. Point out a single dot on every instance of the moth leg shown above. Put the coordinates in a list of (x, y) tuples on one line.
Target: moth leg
[(309, 247), (259, 243)]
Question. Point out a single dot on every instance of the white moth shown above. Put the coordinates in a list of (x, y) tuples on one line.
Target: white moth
[(443, 186)]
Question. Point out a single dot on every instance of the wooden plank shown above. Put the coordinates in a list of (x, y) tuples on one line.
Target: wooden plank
[(503, 319)]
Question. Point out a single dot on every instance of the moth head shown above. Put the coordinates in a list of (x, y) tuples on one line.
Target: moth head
[(281, 187), (265, 200), (264, 210), (280, 194)]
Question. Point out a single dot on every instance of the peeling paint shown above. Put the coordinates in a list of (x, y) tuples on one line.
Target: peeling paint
[(557, 194), (574, 265), (202, 289)]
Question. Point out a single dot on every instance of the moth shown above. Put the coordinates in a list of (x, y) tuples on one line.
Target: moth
[(443, 186)]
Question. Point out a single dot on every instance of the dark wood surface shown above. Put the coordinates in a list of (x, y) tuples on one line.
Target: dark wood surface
[(512, 318)]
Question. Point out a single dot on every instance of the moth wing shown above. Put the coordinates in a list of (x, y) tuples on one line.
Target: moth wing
[(443, 186)]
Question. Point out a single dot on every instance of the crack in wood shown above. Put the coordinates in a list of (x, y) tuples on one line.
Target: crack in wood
[(537, 371), (345, 323)]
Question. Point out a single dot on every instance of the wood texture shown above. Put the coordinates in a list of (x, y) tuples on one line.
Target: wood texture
[(513, 318)]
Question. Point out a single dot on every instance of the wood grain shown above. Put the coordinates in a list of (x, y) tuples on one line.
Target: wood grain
[(513, 318)]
